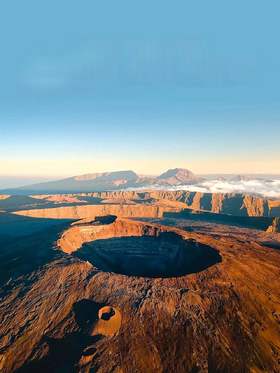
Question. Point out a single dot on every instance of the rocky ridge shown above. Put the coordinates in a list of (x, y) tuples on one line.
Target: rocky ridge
[(221, 203)]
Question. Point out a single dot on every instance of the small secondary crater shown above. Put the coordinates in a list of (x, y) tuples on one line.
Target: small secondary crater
[(106, 313), (109, 322), (163, 255)]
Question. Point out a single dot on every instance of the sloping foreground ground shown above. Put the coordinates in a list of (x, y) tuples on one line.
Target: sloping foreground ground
[(69, 315)]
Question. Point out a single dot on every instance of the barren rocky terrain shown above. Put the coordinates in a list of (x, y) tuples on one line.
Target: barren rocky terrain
[(224, 203), (138, 284)]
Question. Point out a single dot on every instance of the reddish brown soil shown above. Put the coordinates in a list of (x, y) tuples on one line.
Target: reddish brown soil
[(225, 318)]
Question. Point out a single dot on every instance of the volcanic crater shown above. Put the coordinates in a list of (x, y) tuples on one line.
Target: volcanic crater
[(134, 248)]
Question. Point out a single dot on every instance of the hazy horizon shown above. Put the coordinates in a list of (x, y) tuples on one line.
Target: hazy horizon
[(14, 181), (266, 185)]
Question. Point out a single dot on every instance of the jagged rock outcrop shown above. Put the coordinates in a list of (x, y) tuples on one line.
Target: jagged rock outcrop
[(275, 226), (224, 203), (274, 208)]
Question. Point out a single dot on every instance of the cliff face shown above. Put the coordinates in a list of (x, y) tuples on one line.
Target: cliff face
[(138, 204), (225, 203), (275, 226), (73, 238), (91, 211), (150, 203), (274, 208)]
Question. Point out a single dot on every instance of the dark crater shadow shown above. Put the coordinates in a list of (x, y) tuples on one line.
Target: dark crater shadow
[(86, 313), (271, 244), (166, 255), (100, 220), (26, 244), (104, 220)]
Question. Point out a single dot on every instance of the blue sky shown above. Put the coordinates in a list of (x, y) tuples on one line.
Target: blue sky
[(91, 86)]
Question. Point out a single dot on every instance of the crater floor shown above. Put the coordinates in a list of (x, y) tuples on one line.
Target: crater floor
[(166, 255), (136, 248)]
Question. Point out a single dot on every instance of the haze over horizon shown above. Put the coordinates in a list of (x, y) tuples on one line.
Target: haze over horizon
[(18, 180), (137, 88)]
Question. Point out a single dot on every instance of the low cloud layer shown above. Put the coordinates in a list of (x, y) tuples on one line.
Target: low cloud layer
[(264, 187)]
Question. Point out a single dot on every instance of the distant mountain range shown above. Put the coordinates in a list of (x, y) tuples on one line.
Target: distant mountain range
[(109, 181)]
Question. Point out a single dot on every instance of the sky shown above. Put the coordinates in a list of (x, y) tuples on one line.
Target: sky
[(150, 85)]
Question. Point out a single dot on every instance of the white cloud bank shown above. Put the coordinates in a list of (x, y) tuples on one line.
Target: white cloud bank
[(269, 188)]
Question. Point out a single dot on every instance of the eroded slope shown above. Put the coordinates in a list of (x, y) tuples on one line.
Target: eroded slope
[(71, 316), (80, 205)]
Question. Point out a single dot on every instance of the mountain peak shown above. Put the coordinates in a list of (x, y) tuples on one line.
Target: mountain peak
[(176, 176), (101, 181)]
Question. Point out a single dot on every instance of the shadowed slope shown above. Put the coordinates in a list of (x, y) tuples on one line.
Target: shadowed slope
[(26, 244)]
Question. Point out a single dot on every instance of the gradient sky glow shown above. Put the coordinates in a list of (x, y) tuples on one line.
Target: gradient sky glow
[(93, 86)]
